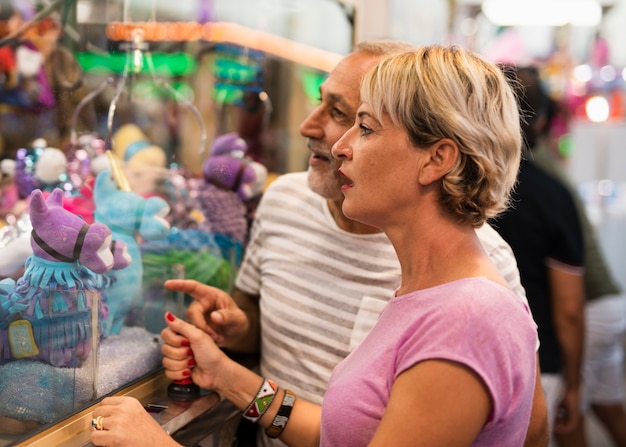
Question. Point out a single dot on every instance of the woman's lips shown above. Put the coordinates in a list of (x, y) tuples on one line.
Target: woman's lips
[(347, 183)]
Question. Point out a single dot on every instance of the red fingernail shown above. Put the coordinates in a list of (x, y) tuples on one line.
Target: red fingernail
[(185, 342), (190, 352), (186, 373), (170, 316), (191, 362)]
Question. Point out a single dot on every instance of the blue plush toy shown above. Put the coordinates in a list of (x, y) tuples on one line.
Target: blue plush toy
[(129, 216)]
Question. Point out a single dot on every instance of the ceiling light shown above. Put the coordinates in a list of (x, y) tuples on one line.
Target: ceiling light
[(543, 12)]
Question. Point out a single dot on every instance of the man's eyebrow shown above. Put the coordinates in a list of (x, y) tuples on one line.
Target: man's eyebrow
[(335, 98)]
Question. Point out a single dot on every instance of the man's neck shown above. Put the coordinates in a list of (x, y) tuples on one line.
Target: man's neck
[(347, 224)]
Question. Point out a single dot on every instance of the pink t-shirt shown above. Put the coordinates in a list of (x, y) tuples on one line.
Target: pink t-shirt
[(473, 321)]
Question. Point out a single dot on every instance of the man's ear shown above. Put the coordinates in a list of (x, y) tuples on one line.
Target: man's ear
[(440, 157)]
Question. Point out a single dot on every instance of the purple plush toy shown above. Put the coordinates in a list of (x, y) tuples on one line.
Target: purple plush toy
[(231, 178), (48, 313)]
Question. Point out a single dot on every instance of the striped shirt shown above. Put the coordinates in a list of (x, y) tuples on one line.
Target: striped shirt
[(322, 288)]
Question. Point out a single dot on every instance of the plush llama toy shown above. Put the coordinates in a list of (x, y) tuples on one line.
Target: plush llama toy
[(230, 179), (46, 314), (52, 359), (129, 216)]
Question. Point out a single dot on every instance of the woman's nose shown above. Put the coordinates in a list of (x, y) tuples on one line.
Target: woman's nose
[(341, 149)]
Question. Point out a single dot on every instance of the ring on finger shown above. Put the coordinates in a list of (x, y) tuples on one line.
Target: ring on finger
[(97, 423)]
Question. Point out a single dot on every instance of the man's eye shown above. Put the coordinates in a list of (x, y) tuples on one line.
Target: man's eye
[(338, 113)]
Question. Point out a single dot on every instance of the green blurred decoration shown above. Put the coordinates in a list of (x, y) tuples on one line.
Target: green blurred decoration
[(237, 71), (165, 64), (311, 81)]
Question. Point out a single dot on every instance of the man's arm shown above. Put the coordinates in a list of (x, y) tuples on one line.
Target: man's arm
[(250, 342), (567, 291)]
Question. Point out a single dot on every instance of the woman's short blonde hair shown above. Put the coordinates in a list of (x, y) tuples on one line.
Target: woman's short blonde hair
[(438, 92)]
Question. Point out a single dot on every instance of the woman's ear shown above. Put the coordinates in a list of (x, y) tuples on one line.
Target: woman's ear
[(440, 157)]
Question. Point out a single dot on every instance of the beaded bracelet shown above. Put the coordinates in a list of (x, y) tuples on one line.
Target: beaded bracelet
[(261, 401), (282, 417)]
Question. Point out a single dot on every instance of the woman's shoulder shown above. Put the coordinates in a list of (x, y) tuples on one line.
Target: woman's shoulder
[(476, 297)]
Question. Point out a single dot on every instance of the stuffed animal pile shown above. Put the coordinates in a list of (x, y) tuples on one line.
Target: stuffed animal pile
[(71, 300), (80, 298)]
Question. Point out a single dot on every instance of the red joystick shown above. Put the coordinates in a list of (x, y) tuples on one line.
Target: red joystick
[(183, 390)]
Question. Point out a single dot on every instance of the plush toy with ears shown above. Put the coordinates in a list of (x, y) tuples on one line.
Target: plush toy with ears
[(48, 320), (54, 228), (230, 179), (229, 167), (129, 216), (47, 313)]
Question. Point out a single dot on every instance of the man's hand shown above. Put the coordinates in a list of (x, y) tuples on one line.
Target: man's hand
[(213, 311), (568, 412)]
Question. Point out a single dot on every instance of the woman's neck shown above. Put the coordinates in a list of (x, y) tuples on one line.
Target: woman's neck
[(437, 253)]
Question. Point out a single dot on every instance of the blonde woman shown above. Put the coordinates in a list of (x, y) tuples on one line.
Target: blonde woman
[(433, 153)]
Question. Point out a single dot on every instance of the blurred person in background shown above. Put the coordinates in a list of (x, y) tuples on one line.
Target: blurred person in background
[(543, 228), (605, 304)]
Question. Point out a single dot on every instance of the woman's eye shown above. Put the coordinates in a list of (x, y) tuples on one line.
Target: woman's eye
[(364, 130)]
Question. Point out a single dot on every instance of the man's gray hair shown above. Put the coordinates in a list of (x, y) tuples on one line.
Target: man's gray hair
[(384, 47)]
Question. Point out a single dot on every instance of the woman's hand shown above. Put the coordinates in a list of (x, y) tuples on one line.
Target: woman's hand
[(191, 352), (123, 422)]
